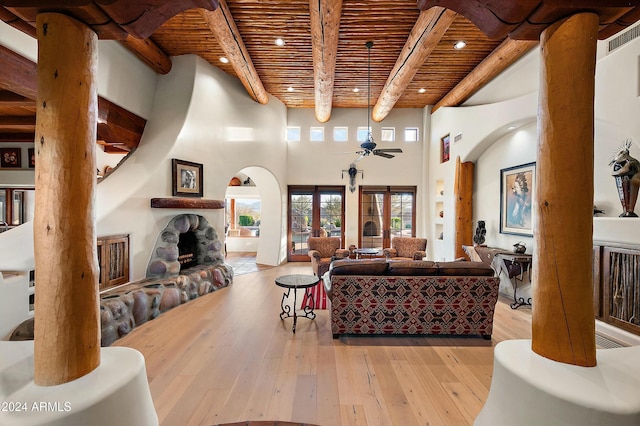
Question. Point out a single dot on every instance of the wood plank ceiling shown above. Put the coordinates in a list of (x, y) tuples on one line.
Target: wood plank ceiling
[(413, 61)]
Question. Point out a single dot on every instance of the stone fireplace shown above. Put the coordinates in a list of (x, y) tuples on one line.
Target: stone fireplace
[(187, 241), (187, 262)]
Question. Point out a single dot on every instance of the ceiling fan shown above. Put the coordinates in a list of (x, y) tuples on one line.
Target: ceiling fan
[(368, 147)]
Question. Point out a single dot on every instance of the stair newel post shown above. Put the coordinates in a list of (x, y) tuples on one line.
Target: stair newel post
[(67, 316), (563, 322)]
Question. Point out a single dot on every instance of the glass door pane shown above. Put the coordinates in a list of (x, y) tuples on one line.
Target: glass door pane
[(3, 206), (331, 215), (18, 208), (301, 223), (372, 220), (401, 214)]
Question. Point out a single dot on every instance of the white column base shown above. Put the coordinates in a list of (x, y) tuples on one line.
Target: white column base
[(115, 393), (528, 389)]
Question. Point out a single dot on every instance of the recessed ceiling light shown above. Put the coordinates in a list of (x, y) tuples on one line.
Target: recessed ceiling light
[(224, 60), (279, 42), (460, 44), (290, 89), (422, 90), (356, 90)]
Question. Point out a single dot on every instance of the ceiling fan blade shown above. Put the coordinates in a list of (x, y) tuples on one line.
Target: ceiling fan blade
[(359, 158), (388, 150), (382, 154)]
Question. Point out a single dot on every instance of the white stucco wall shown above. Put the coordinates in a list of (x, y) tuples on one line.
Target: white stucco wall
[(201, 115), (487, 142), (321, 163)]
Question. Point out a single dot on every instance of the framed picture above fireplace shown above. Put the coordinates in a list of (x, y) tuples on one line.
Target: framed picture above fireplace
[(186, 178)]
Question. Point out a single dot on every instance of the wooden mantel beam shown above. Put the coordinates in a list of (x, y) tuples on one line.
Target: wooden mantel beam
[(221, 24), (431, 25), (504, 55), (325, 28)]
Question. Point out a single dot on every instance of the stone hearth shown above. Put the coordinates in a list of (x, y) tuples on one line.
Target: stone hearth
[(166, 286)]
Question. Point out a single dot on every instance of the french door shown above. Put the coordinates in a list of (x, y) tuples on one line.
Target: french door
[(385, 212), (314, 211)]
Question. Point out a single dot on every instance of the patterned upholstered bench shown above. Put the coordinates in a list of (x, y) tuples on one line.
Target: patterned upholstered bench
[(411, 297)]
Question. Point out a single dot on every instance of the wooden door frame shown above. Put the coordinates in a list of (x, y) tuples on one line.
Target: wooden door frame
[(316, 191), (386, 206)]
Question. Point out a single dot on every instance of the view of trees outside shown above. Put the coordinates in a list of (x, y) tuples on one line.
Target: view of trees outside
[(401, 214), (331, 214), (302, 218), (247, 214)]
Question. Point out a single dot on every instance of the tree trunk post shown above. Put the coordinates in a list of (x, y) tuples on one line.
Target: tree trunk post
[(67, 319), (563, 321), (463, 192)]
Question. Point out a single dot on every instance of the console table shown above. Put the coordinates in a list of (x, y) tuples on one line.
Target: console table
[(514, 266)]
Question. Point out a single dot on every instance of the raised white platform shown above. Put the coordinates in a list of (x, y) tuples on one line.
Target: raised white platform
[(528, 389), (115, 393)]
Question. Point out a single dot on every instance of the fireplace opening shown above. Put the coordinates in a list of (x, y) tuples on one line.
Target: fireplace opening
[(187, 250), (369, 229)]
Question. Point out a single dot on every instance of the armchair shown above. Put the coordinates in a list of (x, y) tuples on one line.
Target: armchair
[(406, 248), (322, 250)]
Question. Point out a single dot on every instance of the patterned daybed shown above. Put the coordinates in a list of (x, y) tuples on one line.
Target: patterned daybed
[(411, 297)]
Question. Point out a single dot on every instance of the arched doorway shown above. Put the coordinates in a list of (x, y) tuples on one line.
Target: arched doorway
[(261, 232)]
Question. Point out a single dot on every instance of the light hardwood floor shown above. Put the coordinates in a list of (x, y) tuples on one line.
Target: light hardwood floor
[(227, 357)]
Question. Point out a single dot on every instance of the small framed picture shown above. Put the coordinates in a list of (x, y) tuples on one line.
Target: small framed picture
[(186, 178), (445, 147), (32, 158), (10, 158), (517, 192)]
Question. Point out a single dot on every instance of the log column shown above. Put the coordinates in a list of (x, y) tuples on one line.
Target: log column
[(67, 327), (563, 322), (463, 192)]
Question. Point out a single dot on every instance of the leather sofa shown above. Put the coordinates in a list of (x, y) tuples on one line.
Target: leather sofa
[(381, 296)]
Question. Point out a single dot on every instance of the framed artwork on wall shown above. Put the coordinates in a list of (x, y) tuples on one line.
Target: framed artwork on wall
[(186, 178), (445, 147), (517, 192), (10, 158), (32, 158)]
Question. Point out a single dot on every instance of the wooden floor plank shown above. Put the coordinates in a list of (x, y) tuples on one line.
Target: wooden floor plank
[(227, 357)]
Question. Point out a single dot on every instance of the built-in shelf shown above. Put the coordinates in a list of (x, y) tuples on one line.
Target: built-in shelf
[(186, 203)]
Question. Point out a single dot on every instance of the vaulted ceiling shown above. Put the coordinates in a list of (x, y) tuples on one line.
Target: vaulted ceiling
[(323, 59)]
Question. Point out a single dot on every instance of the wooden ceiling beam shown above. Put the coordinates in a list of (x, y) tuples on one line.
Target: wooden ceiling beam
[(145, 49), (10, 99), (149, 53), (119, 126), (431, 25), (18, 122), (18, 74), (17, 137), (221, 24), (110, 19), (325, 27), (504, 55)]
